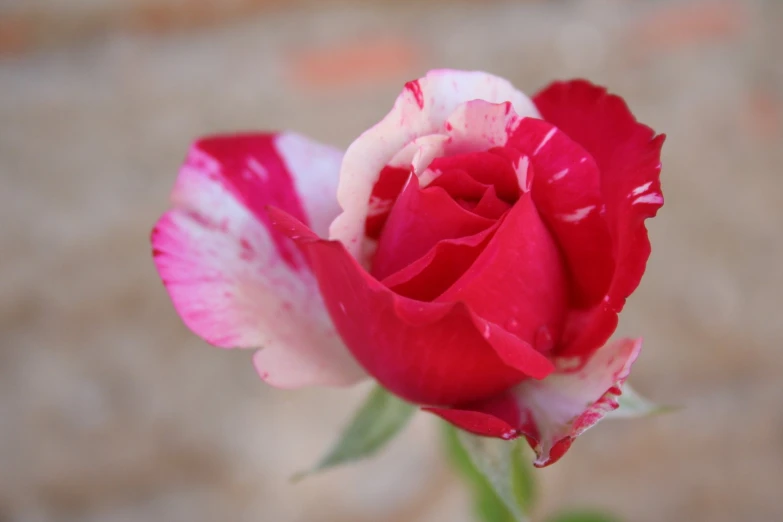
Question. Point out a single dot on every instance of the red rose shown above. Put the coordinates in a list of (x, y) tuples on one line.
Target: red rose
[(486, 244)]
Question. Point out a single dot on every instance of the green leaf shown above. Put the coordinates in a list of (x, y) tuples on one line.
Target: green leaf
[(380, 418), (634, 405), (583, 516), (499, 475)]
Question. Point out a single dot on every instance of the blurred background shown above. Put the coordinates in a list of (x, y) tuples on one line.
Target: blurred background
[(112, 411)]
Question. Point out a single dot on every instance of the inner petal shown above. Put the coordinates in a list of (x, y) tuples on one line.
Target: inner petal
[(417, 154), (485, 167), (490, 205), (459, 184), (384, 194), (418, 220), (432, 274), (520, 267), (479, 198)]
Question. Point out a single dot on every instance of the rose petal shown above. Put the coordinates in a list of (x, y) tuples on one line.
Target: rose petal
[(490, 205), (552, 412), (459, 184), (413, 158), (565, 405), (477, 422), (567, 193), (432, 274), (390, 183), (420, 110), (479, 132), (417, 154), (428, 353), (485, 167), (627, 154), (522, 269), (236, 281), (479, 125), (419, 220)]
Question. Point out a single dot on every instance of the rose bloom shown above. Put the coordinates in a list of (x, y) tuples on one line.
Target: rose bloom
[(470, 252)]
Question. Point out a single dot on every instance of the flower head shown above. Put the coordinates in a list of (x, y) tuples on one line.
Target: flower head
[(470, 252)]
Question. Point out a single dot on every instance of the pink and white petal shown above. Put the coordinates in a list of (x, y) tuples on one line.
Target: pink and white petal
[(315, 171), (564, 405), (479, 125), (419, 153), (234, 280), (552, 412), (474, 126), (420, 110)]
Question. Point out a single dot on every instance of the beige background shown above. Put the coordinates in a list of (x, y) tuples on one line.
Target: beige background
[(112, 411)]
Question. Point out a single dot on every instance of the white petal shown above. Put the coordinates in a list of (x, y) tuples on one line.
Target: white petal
[(565, 404)]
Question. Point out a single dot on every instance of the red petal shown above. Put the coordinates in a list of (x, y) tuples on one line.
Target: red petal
[(428, 353), (566, 190), (552, 412), (486, 168), (432, 274), (459, 184), (390, 182), (253, 171), (518, 281), (465, 188), (490, 205), (476, 422), (628, 157), (418, 221)]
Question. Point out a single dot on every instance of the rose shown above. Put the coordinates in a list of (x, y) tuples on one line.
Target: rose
[(486, 244)]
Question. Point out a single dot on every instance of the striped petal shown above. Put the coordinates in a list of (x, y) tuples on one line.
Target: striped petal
[(628, 156), (421, 110), (237, 281), (552, 412)]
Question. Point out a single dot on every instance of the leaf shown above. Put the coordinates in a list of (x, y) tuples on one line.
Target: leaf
[(583, 516), (380, 418), (501, 479), (634, 405)]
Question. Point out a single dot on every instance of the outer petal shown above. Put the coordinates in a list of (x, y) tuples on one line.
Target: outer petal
[(420, 110), (566, 189), (628, 156), (551, 413), (427, 353), (236, 281)]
